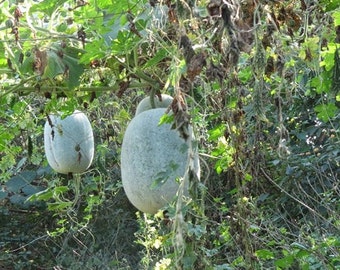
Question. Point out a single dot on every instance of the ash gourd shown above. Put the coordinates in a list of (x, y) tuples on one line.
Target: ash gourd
[(69, 143), (153, 153)]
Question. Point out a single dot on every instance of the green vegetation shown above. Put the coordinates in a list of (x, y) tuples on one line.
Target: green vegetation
[(259, 82)]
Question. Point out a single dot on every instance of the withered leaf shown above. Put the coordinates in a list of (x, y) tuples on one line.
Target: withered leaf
[(40, 61)]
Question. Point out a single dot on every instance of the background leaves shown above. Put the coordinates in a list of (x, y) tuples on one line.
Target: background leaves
[(269, 142)]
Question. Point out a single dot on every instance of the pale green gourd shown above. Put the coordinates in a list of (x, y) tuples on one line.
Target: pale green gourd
[(153, 156), (145, 104), (69, 143)]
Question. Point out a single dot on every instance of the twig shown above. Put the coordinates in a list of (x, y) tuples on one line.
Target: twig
[(295, 199)]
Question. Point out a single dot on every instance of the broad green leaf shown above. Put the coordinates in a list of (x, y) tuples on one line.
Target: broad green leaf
[(59, 205), (264, 254), (330, 4), (47, 6), (328, 56), (326, 111), (216, 132), (55, 65), (245, 74), (29, 189), (322, 83), (302, 254), (16, 183), (285, 262), (3, 195), (103, 4), (75, 71), (17, 199), (27, 65), (94, 50), (312, 45)]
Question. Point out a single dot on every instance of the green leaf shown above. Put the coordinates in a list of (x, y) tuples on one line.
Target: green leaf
[(27, 65), (328, 56), (28, 176), (29, 189), (326, 111), (48, 6), (322, 83), (285, 262), (17, 199), (159, 56), (103, 4), (302, 254), (336, 17), (16, 183), (94, 50), (216, 132), (43, 195), (163, 176), (330, 4), (75, 71), (60, 190), (248, 177), (245, 74), (264, 254), (166, 119), (59, 205), (3, 195), (54, 66)]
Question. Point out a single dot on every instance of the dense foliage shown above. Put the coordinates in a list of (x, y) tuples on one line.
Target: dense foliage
[(259, 82)]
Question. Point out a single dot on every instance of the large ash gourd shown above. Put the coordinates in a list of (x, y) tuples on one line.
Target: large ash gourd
[(153, 156)]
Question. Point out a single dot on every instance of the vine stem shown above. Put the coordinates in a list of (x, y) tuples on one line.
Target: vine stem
[(20, 88), (77, 179)]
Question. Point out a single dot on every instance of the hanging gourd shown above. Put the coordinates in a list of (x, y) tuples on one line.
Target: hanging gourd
[(145, 104), (69, 144), (153, 158)]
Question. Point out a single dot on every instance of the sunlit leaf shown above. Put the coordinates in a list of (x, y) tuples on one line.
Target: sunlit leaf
[(43, 195), (166, 119), (59, 205), (336, 17), (47, 6), (216, 132), (264, 254)]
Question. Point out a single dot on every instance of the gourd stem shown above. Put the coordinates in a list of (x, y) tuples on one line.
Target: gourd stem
[(152, 98), (76, 178)]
